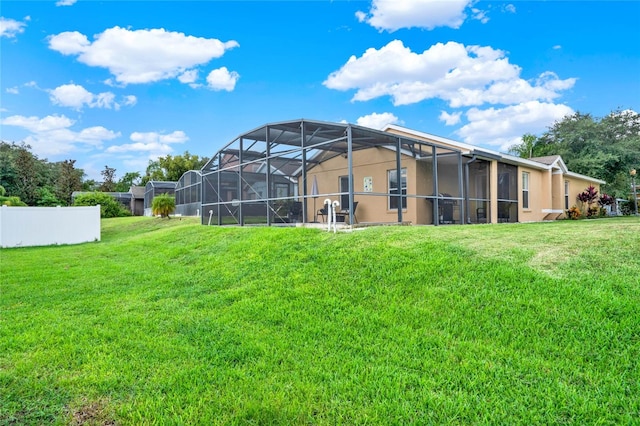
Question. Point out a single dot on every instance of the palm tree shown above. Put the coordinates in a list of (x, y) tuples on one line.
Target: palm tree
[(163, 205)]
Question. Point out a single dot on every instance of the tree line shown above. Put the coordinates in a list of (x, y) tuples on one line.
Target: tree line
[(606, 148), (27, 179)]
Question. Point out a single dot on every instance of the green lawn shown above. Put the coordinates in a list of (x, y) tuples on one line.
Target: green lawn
[(170, 322)]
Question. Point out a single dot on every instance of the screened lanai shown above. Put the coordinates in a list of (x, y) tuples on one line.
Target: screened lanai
[(282, 173), (189, 193), (154, 188)]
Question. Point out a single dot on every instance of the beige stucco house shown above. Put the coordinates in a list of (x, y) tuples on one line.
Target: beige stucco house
[(284, 172)]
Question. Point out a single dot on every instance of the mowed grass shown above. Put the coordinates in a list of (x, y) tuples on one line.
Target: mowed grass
[(170, 322)]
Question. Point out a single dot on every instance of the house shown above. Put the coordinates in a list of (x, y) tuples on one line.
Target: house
[(394, 175)]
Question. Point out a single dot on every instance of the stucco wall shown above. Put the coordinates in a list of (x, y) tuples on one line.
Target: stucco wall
[(43, 226), (371, 163)]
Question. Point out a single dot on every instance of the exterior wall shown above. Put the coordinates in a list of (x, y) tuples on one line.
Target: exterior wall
[(577, 186), (43, 226), (371, 163)]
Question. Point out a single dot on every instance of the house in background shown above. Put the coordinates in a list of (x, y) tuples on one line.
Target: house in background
[(397, 175)]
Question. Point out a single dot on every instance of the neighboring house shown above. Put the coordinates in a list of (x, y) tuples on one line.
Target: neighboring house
[(397, 175), (137, 200), (189, 194), (132, 200), (154, 188)]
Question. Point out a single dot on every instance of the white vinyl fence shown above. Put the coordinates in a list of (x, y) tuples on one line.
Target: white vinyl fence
[(44, 226)]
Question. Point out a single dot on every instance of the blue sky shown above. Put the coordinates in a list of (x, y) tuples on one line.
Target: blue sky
[(118, 83)]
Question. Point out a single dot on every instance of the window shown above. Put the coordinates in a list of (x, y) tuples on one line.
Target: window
[(566, 195), (525, 190), (395, 189), (344, 189)]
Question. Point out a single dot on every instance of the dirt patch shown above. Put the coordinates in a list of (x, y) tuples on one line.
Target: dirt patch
[(92, 414)]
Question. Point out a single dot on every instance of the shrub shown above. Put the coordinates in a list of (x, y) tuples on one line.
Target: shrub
[(588, 196), (163, 205), (11, 201), (46, 197), (109, 207), (574, 213)]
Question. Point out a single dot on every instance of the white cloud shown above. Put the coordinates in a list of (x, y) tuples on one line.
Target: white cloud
[(510, 8), (52, 135), (378, 121), (153, 144), (557, 47), (65, 2), (504, 127), (480, 15), (13, 90), (76, 96), (222, 79), (140, 56), (189, 76), (10, 28), (391, 15), (450, 119), (130, 100), (458, 74)]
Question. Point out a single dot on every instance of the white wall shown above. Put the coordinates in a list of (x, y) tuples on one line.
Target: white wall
[(43, 226)]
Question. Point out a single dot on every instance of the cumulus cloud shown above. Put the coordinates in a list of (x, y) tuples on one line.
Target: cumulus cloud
[(76, 96), (391, 15), (510, 8), (222, 79), (152, 144), (65, 2), (378, 121), (458, 74), (10, 28), (52, 135), (504, 127), (13, 90), (140, 56), (450, 119)]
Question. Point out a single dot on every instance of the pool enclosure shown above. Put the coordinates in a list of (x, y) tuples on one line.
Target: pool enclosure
[(154, 188), (282, 173), (189, 193)]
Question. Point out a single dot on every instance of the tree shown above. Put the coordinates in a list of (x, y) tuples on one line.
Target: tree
[(605, 148), (171, 168), (108, 184), (163, 205), (69, 180), (21, 172), (127, 181), (46, 198), (109, 207), (524, 149)]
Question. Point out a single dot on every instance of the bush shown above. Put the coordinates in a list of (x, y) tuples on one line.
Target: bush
[(163, 205), (627, 208), (109, 207), (574, 213), (11, 201)]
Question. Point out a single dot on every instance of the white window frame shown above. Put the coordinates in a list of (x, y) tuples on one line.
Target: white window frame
[(525, 190)]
